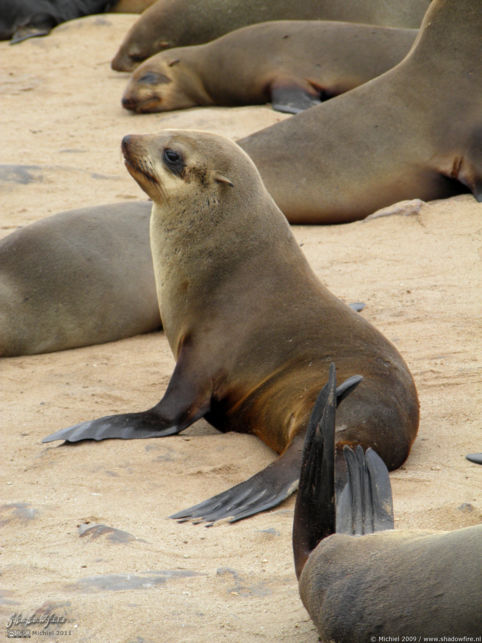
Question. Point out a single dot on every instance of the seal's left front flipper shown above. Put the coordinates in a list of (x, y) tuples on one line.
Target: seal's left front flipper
[(269, 487), (293, 96), (266, 489)]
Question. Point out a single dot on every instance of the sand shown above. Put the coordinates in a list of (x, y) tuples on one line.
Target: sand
[(143, 577)]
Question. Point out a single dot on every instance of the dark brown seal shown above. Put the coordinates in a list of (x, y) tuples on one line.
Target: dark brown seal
[(251, 327), (77, 278), (22, 19), (413, 132), (359, 579), (177, 23), (293, 64)]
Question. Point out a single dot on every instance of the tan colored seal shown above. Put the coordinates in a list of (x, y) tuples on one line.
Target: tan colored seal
[(77, 278), (359, 579), (413, 132), (177, 23), (252, 329), (293, 64)]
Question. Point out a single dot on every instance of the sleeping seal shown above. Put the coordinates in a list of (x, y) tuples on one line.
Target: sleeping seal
[(293, 64)]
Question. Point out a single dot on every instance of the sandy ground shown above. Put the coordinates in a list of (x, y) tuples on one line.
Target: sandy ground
[(155, 580)]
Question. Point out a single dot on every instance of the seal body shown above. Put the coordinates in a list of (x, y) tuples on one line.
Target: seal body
[(293, 64), (413, 132), (22, 19), (177, 23), (358, 578), (77, 278), (131, 6), (409, 582), (251, 327)]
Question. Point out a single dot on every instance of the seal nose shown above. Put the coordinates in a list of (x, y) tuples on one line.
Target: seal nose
[(126, 141), (129, 103)]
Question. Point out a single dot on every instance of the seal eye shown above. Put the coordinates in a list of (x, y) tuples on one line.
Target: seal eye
[(173, 161), (149, 78)]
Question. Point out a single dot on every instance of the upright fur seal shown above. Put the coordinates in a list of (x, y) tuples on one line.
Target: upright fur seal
[(359, 579), (293, 64), (22, 19), (252, 329), (177, 23), (77, 278), (413, 132)]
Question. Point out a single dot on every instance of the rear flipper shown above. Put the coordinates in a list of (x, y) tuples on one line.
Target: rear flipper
[(365, 504), (293, 96), (269, 487), (476, 458)]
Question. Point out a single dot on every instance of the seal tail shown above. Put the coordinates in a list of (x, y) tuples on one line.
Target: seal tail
[(365, 502)]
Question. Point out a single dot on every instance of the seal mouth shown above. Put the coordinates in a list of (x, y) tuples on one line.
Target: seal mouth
[(139, 167), (136, 165)]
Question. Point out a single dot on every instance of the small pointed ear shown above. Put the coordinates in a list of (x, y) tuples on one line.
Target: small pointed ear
[(173, 62), (220, 178)]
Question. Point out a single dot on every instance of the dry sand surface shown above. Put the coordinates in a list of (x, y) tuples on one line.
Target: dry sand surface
[(155, 580)]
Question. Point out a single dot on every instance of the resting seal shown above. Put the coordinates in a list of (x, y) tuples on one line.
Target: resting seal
[(22, 19), (131, 6), (77, 278), (252, 329), (367, 581), (177, 23), (413, 132), (293, 64)]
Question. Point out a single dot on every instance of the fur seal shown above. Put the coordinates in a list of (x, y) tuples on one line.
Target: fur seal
[(177, 23), (292, 64), (413, 132), (251, 327), (77, 278), (22, 19), (358, 578), (131, 6)]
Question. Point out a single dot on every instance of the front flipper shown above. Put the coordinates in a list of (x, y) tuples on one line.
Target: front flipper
[(293, 96), (264, 490), (129, 426), (269, 487), (187, 398)]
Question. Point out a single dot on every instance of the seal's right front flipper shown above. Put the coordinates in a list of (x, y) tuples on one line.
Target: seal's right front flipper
[(128, 426), (365, 504), (186, 399)]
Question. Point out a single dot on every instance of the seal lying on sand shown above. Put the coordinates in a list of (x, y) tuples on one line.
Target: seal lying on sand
[(131, 6), (252, 329), (177, 23), (413, 132), (293, 64), (77, 278), (22, 19), (359, 579)]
